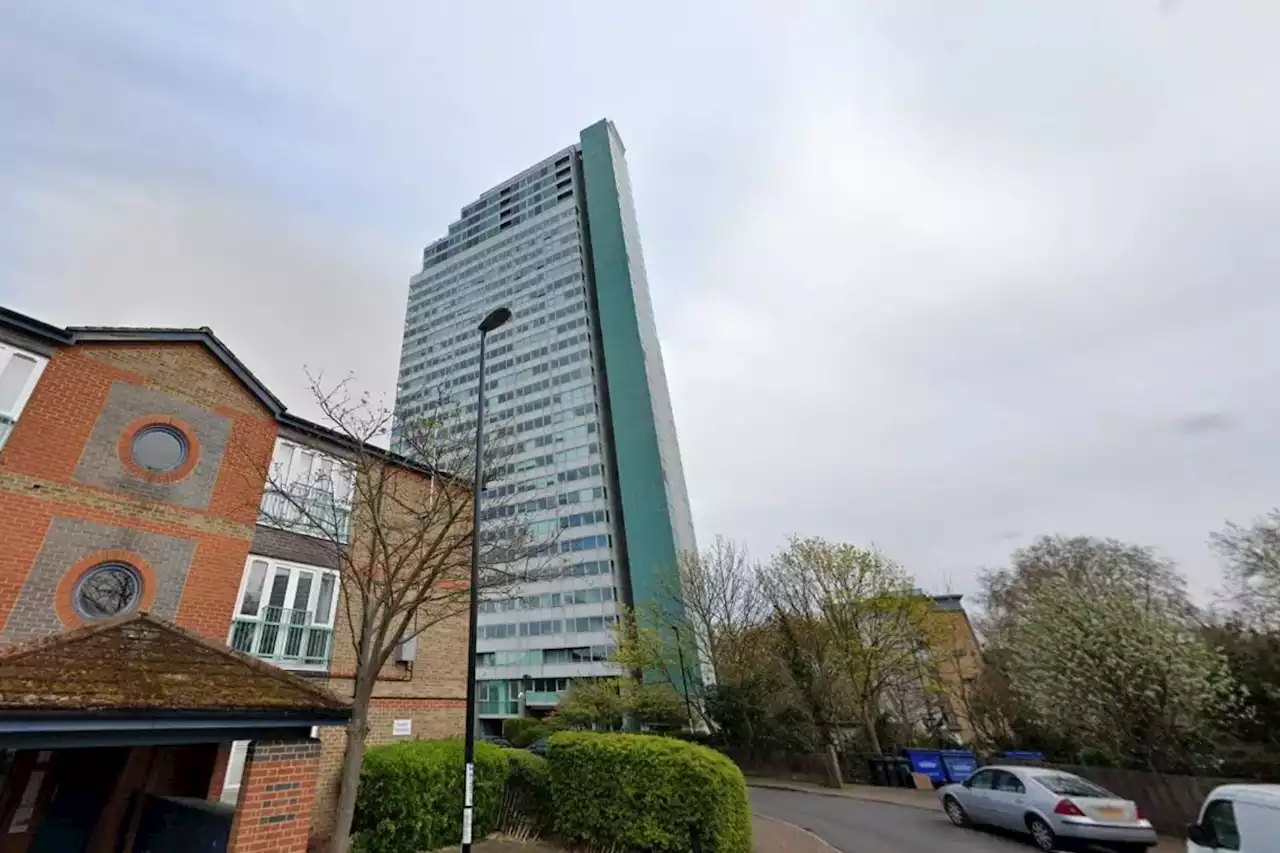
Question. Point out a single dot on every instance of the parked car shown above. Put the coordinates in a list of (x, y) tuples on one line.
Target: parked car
[(539, 746), (1056, 809), (1244, 818), (497, 741)]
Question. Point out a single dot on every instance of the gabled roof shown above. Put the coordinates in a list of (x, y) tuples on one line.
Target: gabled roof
[(203, 335), (152, 334), (137, 663)]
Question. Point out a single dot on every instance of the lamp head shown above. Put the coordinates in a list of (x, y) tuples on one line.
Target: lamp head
[(496, 318)]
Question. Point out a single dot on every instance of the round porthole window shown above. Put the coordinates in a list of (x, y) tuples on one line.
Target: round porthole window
[(159, 448), (108, 590)]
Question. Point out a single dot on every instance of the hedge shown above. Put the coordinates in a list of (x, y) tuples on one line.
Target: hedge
[(410, 795), (640, 792), (529, 787)]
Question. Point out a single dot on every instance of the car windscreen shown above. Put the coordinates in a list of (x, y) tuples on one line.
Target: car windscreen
[(1072, 786)]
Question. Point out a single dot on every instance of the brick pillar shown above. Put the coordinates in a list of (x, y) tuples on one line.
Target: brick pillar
[(219, 774), (277, 792)]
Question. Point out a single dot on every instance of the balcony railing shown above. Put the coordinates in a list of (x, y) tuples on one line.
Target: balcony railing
[(541, 699), (305, 509), (489, 708), (284, 637)]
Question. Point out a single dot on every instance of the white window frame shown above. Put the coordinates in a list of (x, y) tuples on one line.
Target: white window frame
[(294, 572), (8, 352), (287, 472)]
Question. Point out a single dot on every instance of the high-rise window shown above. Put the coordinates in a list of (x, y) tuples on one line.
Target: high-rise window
[(578, 310)]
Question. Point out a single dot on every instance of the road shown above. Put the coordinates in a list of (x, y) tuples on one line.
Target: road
[(855, 826)]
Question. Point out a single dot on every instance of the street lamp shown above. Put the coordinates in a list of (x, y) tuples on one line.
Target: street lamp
[(688, 703), (495, 319)]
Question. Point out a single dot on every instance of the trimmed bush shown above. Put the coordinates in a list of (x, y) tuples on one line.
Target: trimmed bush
[(529, 787), (410, 795), (640, 792), (523, 731)]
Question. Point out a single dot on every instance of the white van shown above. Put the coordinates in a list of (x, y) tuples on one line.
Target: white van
[(1242, 818)]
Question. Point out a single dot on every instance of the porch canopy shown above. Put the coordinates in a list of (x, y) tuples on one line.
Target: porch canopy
[(137, 680)]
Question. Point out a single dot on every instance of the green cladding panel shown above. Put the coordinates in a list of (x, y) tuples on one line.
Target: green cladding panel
[(655, 512)]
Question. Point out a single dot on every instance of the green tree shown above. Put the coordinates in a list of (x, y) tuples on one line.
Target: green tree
[(1254, 658), (866, 613), (589, 703), (656, 706)]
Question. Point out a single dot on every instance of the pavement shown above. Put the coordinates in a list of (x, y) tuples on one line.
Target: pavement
[(770, 835), (506, 845), (866, 819), (868, 793)]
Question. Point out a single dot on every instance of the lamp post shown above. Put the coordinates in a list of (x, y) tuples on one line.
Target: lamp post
[(688, 703), (495, 319)]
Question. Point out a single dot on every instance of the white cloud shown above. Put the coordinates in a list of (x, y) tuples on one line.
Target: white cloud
[(941, 275), (286, 295)]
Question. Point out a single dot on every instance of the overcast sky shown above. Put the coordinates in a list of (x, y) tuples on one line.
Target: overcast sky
[(940, 276)]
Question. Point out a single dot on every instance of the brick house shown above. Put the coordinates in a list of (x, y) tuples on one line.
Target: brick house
[(166, 658)]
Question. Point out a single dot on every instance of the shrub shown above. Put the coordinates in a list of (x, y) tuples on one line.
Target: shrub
[(523, 731), (639, 792), (410, 795), (528, 793)]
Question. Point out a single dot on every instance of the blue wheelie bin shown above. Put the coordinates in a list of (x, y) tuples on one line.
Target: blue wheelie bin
[(958, 764), (927, 761)]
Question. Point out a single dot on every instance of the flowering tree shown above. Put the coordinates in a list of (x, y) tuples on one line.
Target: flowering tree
[(1118, 673), (1088, 564)]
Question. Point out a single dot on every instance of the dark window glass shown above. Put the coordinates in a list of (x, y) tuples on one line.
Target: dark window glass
[(1220, 817), (1072, 786), (982, 780), (1009, 784), (108, 590), (253, 588), (159, 448)]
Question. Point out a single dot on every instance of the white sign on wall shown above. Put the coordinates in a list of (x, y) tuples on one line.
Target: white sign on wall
[(402, 728)]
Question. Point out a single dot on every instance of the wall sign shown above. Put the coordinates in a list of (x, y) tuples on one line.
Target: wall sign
[(402, 728)]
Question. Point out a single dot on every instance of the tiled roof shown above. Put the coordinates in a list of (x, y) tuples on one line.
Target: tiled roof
[(140, 663)]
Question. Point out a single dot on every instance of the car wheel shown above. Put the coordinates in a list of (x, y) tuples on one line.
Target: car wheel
[(1042, 835), (955, 812)]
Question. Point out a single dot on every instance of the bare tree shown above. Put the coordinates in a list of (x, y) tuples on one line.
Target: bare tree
[(1252, 558), (398, 527), (697, 625), (723, 602)]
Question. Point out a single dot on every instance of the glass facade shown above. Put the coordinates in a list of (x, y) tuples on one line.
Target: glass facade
[(528, 244)]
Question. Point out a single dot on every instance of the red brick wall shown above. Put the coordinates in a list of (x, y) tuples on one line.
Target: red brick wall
[(38, 462), (25, 521), (432, 719), (273, 814)]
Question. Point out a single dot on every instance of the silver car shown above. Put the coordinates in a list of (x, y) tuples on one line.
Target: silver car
[(1056, 809)]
